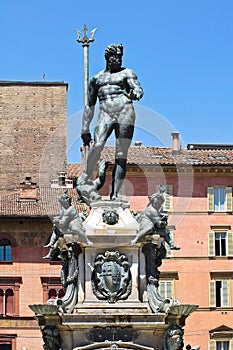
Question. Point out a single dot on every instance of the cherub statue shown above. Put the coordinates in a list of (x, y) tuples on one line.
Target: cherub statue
[(67, 222), (87, 189), (153, 220)]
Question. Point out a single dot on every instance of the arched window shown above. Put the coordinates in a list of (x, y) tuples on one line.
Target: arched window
[(5, 250), (9, 296), (61, 293), (9, 302), (52, 294), (52, 288)]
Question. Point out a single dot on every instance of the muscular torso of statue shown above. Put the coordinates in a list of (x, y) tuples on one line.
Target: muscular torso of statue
[(112, 89)]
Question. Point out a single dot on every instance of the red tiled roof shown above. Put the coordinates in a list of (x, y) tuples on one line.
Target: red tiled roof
[(142, 155), (74, 170), (46, 205)]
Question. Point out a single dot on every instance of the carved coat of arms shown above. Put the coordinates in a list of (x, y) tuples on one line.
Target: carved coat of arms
[(111, 277)]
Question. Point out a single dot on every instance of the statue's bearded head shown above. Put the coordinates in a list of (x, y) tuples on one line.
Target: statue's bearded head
[(113, 55)]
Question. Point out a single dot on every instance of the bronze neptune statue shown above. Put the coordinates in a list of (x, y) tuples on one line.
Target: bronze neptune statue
[(115, 87)]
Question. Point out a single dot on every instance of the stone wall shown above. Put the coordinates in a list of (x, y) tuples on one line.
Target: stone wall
[(32, 116)]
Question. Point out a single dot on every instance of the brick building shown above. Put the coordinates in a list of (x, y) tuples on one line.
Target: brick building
[(33, 149), (32, 115)]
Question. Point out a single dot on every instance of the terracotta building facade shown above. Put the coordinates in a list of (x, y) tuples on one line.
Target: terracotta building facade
[(198, 181)]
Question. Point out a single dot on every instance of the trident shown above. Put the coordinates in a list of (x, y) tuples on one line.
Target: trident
[(85, 44)]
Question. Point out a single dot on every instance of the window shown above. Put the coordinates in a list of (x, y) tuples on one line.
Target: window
[(219, 293), (5, 250), (6, 302), (9, 296), (52, 288), (220, 243), (8, 342), (221, 338), (166, 289), (167, 206), (219, 199), (166, 284), (220, 345)]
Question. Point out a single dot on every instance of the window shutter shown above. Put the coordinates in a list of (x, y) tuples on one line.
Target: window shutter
[(225, 293), (162, 289), (228, 199), (167, 205), (169, 289), (229, 243), (211, 245), (210, 198), (212, 345), (212, 294), (231, 345)]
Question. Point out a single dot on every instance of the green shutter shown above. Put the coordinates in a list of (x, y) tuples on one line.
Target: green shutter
[(212, 294), (228, 199), (225, 293), (211, 244), (168, 198), (212, 345), (229, 243), (210, 198), (167, 206)]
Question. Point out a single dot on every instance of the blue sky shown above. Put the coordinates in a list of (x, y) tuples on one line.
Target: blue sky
[(182, 52)]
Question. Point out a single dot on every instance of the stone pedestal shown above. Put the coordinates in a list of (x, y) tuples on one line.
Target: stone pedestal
[(115, 295)]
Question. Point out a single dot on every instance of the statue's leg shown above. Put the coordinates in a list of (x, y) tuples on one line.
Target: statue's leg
[(75, 227), (146, 227), (51, 251), (103, 130), (53, 239), (165, 233), (124, 134)]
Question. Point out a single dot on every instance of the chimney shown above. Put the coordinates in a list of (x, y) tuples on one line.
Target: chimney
[(138, 143), (175, 141), (28, 190)]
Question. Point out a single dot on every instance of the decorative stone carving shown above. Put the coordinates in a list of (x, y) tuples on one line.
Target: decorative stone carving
[(114, 345), (69, 276), (51, 338), (154, 221), (87, 189), (174, 338), (110, 216), (67, 222), (99, 334), (111, 277)]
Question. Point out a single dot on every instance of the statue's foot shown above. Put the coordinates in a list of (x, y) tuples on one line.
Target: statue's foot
[(133, 242), (89, 243), (49, 245), (174, 247), (114, 198), (46, 257)]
